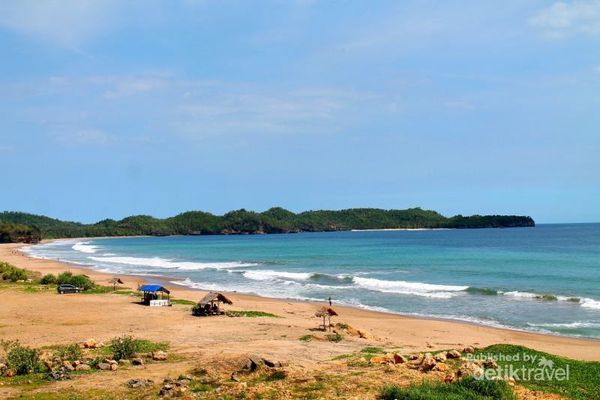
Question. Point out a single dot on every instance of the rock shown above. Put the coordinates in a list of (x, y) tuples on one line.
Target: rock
[(67, 365), (9, 373), (110, 361), (104, 366), (271, 364), (47, 363), (252, 363), (453, 354), (440, 367), (413, 357), (380, 360), (469, 369), (114, 366), (83, 367), (3, 367), (75, 363), (185, 377), (469, 350), (138, 383), (399, 358), (490, 364), (440, 357), (59, 375), (90, 344), (234, 377), (159, 355), (428, 363), (123, 362), (137, 361), (362, 334), (449, 378)]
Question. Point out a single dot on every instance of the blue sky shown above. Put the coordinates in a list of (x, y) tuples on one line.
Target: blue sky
[(112, 108)]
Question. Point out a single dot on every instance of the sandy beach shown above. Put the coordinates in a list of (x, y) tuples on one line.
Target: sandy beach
[(44, 319)]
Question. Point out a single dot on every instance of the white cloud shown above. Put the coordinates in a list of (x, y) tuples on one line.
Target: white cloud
[(66, 23), (568, 19), (85, 137)]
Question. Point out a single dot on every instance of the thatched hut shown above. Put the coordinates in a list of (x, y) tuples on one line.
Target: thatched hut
[(211, 304), (326, 313)]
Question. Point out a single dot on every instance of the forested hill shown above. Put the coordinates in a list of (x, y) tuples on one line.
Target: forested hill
[(274, 220)]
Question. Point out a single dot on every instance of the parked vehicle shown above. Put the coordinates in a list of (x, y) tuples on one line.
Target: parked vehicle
[(65, 288)]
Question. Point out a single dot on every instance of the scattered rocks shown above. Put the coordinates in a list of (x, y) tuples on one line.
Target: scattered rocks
[(453, 354), (159, 355), (399, 358), (272, 364), (173, 388), (469, 350), (138, 383), (59, 375), (137, 361), (83, 367), (469, 369), (252, 364), (428, 363)]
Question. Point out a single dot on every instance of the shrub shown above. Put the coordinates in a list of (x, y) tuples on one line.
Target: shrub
[(11, 273), (81, 281), (69, 352), (123, 347), (306, 338), (23, 360), (48, 279), (336, 337)]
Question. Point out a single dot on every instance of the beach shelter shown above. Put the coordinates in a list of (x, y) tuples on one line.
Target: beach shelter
[(326, 313), (154, 295), (210, 304)]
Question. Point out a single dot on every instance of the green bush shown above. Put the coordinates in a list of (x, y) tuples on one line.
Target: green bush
[(335, 337), (11, 273), (48, 279), (124, 347), (81, 281), (69, 352), (23, 360)]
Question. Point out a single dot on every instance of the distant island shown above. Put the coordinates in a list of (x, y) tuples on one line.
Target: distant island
[(30, 228)]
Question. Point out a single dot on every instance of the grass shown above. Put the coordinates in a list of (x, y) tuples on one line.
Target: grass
[(183, 302), (584, 377), (139, 345), (465, 389), (335, 337), (306, 338), (373, 350), (250, 314)]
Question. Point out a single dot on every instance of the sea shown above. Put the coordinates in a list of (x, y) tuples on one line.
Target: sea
[(542, 279)]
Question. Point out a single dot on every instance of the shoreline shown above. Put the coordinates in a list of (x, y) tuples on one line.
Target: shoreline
[(396, 327)]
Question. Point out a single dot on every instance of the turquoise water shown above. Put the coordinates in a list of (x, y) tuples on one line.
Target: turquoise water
[(544, 279)]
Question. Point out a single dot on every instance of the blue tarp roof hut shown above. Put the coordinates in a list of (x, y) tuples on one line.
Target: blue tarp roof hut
[(153, 289)]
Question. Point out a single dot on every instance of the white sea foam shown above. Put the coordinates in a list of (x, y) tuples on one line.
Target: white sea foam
[(85, 247), (158, 262), (409, 288), (572, 325), (521, 295), (589, 303), (265, 275)]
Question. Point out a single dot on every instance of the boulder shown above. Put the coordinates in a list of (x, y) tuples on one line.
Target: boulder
[(90, 344), (414, 357), (104, 366), (380, 360), (440, 367), (75, 363), (124, 362), (68, 366), (469, 350), (453, 354), (469, 369), (137, 361), (82, 367), (399, 358), (490, 364), (252, 363), (234, 377), (114, 366), (428, 363), (362, 334), (159, 355), (271, 364), (9, 373), (3, 367), (440, 357)]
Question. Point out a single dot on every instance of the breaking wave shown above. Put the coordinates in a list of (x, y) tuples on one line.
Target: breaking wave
[(85, 247), (158, 262), (409, 288)]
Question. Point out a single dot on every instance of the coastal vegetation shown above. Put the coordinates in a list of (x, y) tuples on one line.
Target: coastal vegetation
[(9, 272), (274, 220)]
